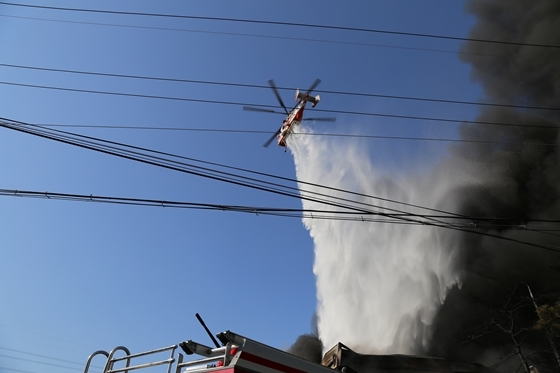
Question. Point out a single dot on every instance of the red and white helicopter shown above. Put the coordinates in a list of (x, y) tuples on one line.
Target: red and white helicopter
[(294, 116)]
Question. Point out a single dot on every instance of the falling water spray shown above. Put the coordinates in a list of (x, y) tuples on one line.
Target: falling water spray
[(379, 284)]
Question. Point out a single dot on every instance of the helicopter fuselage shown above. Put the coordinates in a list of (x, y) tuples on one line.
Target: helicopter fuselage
[(293, 119)]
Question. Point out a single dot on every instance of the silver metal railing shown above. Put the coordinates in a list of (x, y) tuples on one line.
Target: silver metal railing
[(211, 358), (90, 358), (129, 359)]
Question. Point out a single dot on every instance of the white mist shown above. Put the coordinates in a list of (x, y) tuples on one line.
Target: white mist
[(379, 285)]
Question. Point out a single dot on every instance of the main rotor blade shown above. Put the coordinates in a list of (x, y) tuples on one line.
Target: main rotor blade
[(277, 94), (266, 144), (313, 86), (331, 119), (261, 110)]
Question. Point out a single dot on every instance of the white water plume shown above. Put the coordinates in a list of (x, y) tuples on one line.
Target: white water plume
[(379, 285)]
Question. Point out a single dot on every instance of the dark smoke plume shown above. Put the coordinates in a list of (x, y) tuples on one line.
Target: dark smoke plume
[(308, 347), (519, 180)]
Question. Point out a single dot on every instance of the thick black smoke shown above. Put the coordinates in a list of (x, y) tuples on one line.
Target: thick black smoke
[(308, 347), (517, 177)]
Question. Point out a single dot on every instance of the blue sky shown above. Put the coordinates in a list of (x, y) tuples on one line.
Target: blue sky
[(77, 277)]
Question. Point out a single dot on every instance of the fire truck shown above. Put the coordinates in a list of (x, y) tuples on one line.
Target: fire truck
[(239, 354)]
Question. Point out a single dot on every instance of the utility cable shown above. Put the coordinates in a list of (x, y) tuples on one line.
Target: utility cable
[(44, 335), (279, 23), (39, 362), (3, 369), (35, 342), (282, 212), (240, 181), (184, 99), (228, 84), (455, 52), (177, 166), (244, 181), (379, 137), (277, 211), (205, 172), (38, 355), (435, 223), (295, 190)]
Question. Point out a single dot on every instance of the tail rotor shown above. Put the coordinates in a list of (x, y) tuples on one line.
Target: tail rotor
[(313, 86)]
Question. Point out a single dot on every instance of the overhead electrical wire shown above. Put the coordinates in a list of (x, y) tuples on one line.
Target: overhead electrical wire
[(7, 122), (41, 356), (252, 35), (35, 342), (125, 151), (39, 362), (2, 368), (284, 212), (279, 23), (378, 137), (242, 85), (268, 175), (119, 149), (273, 211), (320, 198), (27, 353), (44, 335), (280, 212), (221, 102)]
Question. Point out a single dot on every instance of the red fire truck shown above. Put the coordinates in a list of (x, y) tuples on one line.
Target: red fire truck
[(239, 354)]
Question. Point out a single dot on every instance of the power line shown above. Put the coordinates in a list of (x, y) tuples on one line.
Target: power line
[(71, 138), (282, 212), (345, 93), (252, 35), (39, 362), (47, 336), (38, 355), (404, 217), (35, 342), (279, 23), (119, 149), (16, 370), (139, 154), (497, 222), (236, 179), (184, 99), (378, 137), (408, 138)]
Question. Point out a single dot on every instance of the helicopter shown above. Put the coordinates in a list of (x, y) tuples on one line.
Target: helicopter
[(294, 116)]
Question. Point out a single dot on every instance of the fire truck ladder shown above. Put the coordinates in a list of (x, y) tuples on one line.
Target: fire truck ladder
[(128, 359), (212, 358)]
